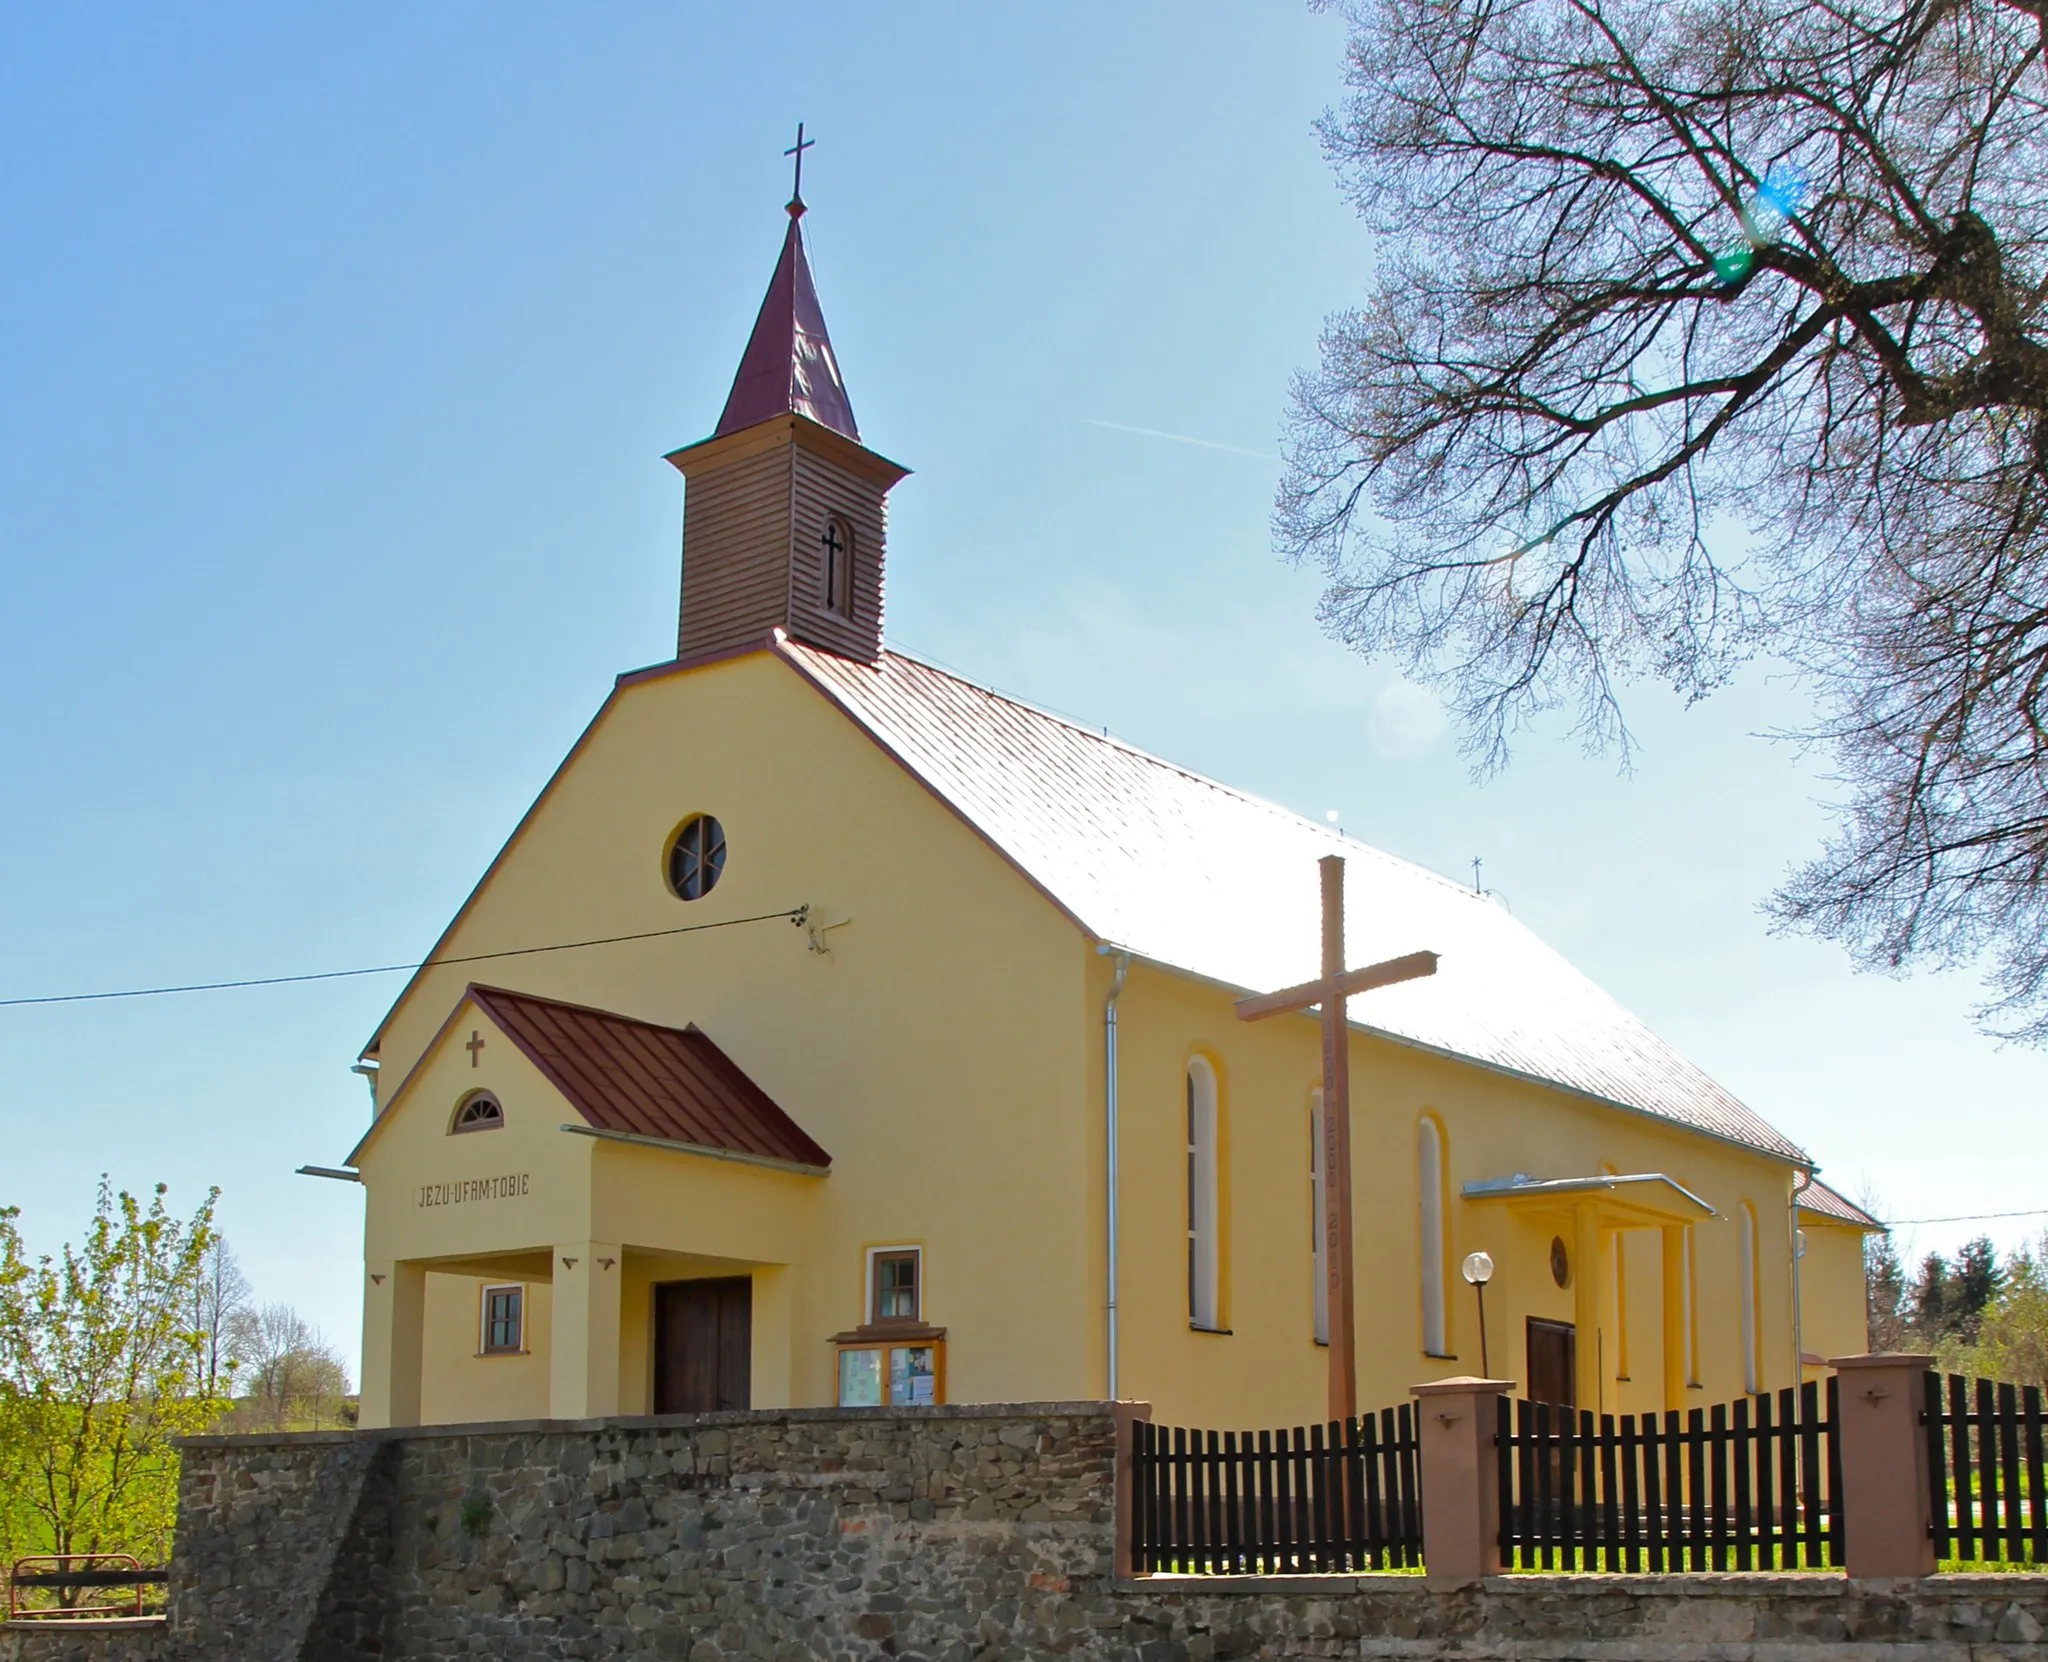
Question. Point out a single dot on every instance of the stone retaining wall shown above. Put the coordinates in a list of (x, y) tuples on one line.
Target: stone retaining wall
[(929, 1535), (141, 1641)]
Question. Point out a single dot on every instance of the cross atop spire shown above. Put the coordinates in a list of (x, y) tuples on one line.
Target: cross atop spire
[(796, 190)]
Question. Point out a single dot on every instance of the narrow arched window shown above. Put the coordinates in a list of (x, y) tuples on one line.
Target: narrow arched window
[(1689, 1320), (1748, 1291), (1204, 1255), (1620, 1291), (837, 543), (1318, 1221), (1429, 1182)]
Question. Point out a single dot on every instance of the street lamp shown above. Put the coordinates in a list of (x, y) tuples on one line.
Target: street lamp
[(1479, 1271)]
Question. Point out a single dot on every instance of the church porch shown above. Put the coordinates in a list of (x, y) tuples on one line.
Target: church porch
[(573, 1214), (583, 1330), (1587, 1233)]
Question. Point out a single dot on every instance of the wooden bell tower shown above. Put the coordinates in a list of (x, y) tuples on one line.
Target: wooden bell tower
[(785, 518)]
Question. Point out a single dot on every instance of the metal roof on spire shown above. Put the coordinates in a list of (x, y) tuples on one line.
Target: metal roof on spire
[(789, 367)]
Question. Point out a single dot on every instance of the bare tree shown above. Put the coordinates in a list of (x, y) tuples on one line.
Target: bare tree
[(220, 1296), (1707, 329), (289, 1374)]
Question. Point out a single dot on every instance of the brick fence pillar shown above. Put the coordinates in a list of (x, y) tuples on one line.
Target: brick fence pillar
[(1460, 1477), (1885, 1499)]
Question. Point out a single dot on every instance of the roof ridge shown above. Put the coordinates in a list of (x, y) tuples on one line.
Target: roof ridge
[(1104, 737), (476, 988)]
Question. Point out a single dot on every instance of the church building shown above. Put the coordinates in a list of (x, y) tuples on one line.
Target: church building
[(833, 1030)]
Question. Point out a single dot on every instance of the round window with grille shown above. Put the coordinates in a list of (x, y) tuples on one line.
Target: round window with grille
[(696, 859)]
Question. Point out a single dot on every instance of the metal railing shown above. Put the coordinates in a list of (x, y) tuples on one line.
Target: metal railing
[(85, 1586)]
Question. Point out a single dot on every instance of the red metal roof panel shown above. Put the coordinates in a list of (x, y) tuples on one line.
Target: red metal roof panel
[(789, 367), (651, 1081), (1825, 1202)]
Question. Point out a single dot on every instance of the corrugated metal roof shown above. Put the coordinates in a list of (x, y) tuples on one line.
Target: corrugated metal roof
[(1191, 874), (633, 1076), (1824, 1202)]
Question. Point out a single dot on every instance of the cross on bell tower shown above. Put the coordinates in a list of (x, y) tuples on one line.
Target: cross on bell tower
[(785, 515), (796, 189)]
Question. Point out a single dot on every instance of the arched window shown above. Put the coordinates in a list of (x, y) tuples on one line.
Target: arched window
[(1429, 1183), (837, 543), (479, 1111), (1317, 1220), (1204, 1257), (1689, 1320), (1748, 1292), (1620, 1292)]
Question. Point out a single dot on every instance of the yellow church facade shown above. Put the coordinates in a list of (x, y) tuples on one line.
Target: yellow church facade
[(834, 1030)]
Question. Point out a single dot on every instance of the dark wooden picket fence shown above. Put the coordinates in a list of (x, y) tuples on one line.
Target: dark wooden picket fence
[(1985, 1470), (1744, 1486), (1342, 1496)]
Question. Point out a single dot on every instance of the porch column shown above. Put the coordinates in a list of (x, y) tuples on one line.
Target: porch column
[(1673, 1237), (583, 1361), (394, 1326), (1586, 1284)]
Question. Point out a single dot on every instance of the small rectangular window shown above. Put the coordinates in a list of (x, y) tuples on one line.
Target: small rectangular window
[(504, 1321), (895, 1286)]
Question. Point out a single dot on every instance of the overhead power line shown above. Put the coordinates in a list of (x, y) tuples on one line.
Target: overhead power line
[(1975, 1217), (793, 913)]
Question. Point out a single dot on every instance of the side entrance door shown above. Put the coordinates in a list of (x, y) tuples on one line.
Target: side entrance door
[(703, 1345), (1553, 1359)]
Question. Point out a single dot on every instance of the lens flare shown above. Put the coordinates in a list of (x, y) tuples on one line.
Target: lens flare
[(1777, 199)]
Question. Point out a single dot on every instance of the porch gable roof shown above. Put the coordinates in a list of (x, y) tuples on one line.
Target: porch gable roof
[(670, 1083)]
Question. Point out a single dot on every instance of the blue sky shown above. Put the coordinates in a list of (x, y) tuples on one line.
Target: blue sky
[(338, 352)]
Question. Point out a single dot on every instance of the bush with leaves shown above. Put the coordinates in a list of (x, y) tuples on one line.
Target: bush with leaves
[(101, 1366)]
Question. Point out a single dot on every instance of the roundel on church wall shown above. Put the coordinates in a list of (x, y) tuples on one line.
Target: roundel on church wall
[(696, 858)]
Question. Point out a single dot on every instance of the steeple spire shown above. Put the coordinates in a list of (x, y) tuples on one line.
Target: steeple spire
[(786, 516), (789, 367)]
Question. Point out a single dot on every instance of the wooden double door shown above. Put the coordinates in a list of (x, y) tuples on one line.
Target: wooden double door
[(1553, 1362), (703, 1345)]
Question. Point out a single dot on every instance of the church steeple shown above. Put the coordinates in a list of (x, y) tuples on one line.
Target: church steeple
[(789, 367), (785, 514)]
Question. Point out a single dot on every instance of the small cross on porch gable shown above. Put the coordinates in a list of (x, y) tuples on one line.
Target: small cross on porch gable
[(1330, 992), (475, 1048)]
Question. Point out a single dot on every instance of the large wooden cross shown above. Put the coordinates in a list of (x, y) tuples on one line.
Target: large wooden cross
[(1330, 991)]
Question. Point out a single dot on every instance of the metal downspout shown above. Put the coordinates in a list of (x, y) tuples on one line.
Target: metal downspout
[(1799, 1187), (1116, 987)]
